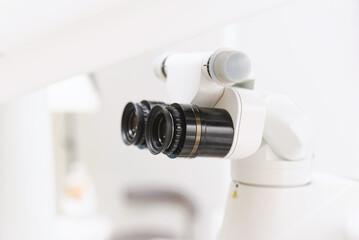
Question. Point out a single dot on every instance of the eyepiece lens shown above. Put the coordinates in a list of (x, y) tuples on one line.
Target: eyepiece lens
[(159, 124), (162, 128), (159, 129), (132, 123), (133, 120)]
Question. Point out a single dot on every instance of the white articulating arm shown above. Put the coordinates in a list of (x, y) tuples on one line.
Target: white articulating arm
[(287, 130)]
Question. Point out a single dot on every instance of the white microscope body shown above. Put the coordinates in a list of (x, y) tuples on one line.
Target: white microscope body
[(272, 195)]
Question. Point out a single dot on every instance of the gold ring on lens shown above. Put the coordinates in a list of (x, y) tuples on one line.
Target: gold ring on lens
[(198, 132)]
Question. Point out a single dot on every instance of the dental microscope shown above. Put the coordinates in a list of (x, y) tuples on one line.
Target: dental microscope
[(268, 139)]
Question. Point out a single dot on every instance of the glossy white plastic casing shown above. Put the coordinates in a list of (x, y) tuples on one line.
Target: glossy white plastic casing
[(317, 211), (186, 82), (287, 129), (247, 110), (285, 155), (199, 78)]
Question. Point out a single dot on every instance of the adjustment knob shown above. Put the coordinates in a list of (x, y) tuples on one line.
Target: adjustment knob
[(227, 66)]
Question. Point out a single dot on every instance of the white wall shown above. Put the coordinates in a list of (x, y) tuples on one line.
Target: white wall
[(309, 50), (52, 53), (26, 170)]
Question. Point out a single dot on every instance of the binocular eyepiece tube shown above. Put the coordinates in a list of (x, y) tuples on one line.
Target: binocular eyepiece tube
[(178, 130), (134, 120)]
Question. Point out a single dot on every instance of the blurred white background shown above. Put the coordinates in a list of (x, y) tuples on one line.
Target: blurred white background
[(305, 49)]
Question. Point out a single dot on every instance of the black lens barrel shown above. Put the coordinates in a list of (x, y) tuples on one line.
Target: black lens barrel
[(214, 133), (191, 131)]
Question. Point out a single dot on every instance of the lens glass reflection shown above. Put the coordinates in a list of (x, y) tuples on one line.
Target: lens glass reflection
[(132, 124), (162, 127)]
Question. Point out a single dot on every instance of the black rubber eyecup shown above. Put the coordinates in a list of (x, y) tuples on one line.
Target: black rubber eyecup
[(159, 129), (132, 125)]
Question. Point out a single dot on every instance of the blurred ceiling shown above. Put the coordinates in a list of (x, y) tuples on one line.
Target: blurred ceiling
[(42, 42), (24, 20)]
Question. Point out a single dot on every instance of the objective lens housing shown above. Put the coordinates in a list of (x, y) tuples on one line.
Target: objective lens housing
[(134, 120), (182, 130)]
